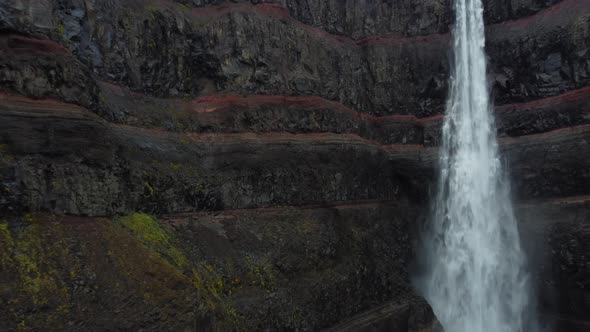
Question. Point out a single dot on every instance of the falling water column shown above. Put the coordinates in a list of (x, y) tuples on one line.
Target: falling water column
[(476, 280)]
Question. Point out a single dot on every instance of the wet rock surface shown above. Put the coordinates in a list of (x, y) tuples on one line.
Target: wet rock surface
[(287, 148), (556, 235)]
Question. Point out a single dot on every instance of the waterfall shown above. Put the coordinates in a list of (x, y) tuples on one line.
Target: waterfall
[(476, 279)]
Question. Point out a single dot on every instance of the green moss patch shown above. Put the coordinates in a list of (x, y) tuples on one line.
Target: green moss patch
[(151, 234), (211, 290), (32, 275)]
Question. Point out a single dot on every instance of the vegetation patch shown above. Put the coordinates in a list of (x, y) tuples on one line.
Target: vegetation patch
[(211, 288), (31, 275), (61, 28), (152, 235), (263, 276)]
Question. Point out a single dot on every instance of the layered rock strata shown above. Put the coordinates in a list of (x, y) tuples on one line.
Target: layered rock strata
[(286, 148)]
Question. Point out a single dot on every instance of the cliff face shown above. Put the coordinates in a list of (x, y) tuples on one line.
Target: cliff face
[(286, 147)]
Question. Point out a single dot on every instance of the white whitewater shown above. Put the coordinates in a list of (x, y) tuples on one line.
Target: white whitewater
[(476, 279)]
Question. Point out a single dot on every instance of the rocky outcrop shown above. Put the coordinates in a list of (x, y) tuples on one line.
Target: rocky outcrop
[(287, 148), (401, 18), (43, 68), (296, 268), (163, 47), (163, 172), (391, 317), (556, 238), (133, 168)]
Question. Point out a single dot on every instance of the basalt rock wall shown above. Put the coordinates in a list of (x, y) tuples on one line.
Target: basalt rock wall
[(271, 159)]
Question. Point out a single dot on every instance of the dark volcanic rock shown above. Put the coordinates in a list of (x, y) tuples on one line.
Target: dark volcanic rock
[(552, 164), (66, 160), (415, 317), (162, 172), (167, 50), (556, 234), (401, 18), (42, 68), (293, 144), (266, 269)]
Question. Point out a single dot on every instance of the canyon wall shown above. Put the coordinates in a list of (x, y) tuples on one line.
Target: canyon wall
[(252, 165)]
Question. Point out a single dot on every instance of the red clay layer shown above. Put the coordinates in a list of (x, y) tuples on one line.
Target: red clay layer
[(181, 218), (326, 137), (278, 137), (275, 11), (49, 104), (384, 40), (55, 105), (548, 134), (558, 201), (216, 103), (221, 102), (273, 138), (21, 44), (279, 12), (213, 103), (319, 137), (37, 103), (582, 94), (563, 10)]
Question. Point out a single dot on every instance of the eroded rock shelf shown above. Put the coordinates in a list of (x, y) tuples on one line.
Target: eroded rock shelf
[(265, 165)]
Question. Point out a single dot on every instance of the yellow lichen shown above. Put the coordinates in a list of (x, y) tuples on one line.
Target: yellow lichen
[(175, 166), (185, 140), (149, 188), (151, 234), (235, 319), (208, 280), (61, 310), (61, 28), (6, 246), (29, 217), (200, 20), (29, 259), (148, 272), (5, 233), (152, 6), (263, 276), (215, 292), (209, 285), (37, 281)]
